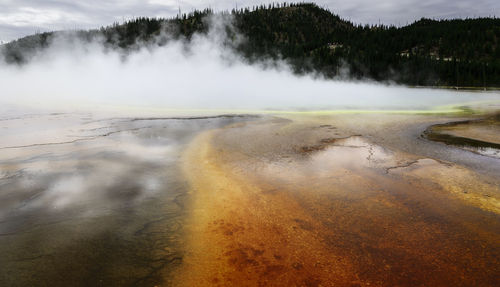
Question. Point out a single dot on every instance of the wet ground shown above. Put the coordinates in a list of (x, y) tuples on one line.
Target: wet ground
[(88, 201), (346, 200), (481, 136), (288, 200)]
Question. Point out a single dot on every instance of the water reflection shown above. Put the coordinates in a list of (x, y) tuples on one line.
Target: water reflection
[(478, 136), (93, 202)]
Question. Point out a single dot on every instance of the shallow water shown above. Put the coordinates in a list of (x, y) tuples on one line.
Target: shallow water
[(478, 136), (318, 202), (295, 200), (90, 201)]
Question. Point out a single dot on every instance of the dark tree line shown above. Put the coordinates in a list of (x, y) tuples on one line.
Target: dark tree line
[(462, 52)]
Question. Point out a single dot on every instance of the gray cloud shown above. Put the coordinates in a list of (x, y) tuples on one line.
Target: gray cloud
[(23, 17)]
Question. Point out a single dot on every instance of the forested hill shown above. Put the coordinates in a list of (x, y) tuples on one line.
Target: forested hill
[(462, 52)]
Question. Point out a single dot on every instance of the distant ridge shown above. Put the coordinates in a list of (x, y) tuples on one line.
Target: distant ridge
[(452, 53)]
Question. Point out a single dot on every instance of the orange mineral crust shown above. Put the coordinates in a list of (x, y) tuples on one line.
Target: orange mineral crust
[(243, 235), (335, 210)]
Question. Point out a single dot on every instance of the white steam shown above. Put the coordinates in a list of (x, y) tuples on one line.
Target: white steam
[(206, 76)]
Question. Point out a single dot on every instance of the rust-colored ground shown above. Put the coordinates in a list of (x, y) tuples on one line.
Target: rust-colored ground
[(296, 204)]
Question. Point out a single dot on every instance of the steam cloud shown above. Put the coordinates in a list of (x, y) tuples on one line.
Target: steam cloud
[(201, 74)]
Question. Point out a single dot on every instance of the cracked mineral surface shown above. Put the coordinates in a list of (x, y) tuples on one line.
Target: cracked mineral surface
[(288, 200)]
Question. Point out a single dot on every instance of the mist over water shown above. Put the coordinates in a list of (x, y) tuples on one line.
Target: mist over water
[(93, 194), (199, 74)]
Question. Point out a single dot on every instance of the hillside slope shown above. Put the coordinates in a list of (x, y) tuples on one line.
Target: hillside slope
[(461, 52)]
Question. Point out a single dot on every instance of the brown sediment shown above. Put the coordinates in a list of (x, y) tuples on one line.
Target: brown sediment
[(347, 213), (483, 133), (247, 236), (323, 144), (459, 181)]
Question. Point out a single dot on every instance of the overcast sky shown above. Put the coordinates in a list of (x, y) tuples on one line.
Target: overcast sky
[(23, 17)]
